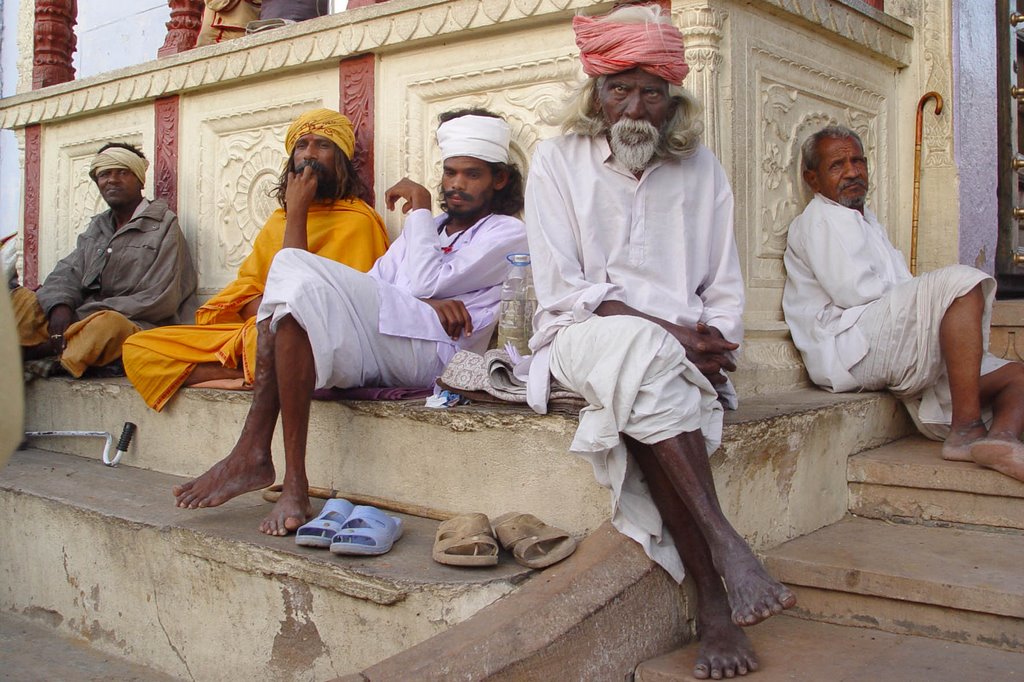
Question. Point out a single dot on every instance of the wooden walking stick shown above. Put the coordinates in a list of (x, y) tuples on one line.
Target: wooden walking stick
[(272, 494), (917, 172)]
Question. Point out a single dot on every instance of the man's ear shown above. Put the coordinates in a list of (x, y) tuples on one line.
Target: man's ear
[(811, 178), (500, 179)]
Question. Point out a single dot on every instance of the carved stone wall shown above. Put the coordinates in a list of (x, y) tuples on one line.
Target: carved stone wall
[(69, 196), (235, 155)]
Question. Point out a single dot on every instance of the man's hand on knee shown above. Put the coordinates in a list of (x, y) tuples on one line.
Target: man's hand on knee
[(454, 317), (707, 349)]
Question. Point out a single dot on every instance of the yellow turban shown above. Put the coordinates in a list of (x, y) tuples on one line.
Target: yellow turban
[(118, 157), (326, 123)]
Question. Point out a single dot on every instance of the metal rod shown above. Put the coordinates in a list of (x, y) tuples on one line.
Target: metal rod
[(917, 172)]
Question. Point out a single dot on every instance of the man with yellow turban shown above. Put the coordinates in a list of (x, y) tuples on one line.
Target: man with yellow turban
[(319, 196), (131, 270), (630, 222)]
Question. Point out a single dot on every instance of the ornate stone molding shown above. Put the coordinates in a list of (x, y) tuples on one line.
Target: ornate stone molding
[(357, 78), (937, 133), (529, 95), (795, 100), (54, 34), (30, 235), (165, 163), (702, 29), (183, 28), (397, 23), (240, 157), (880, 33)]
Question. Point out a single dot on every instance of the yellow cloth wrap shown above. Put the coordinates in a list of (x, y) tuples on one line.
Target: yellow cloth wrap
[(159, 361), (92, 342), (326, 123), (116, 157)]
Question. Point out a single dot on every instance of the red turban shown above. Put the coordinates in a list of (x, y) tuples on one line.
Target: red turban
[(607, 47)]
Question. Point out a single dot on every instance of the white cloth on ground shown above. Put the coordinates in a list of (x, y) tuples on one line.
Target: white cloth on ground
[(638, 382), (901, 332), (338, 307)]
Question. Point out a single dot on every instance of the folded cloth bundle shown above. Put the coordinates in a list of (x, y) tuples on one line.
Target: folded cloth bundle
[(493, 373)]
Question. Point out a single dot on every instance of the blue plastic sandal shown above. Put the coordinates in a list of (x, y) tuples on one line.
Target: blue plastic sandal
[(320, 531), (368, 531)]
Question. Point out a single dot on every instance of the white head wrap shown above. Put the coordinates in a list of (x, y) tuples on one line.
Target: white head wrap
[(117, 157), (482, 137)]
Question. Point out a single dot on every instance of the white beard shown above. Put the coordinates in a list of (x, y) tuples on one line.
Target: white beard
[(634, 142)]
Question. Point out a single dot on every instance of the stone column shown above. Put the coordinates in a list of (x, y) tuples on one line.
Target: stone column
[(701, 26), (356, 75), (54, 42), (183, 28)]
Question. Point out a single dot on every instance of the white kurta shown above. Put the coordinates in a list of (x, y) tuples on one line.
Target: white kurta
[(862, 322), (372, 329), (663, 245)]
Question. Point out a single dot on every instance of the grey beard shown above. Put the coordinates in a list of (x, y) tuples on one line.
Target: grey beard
[(634, 142)]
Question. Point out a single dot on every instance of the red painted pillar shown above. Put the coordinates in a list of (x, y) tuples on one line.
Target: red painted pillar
[(183, 28), (165, 153), (53, 42), (30, 243), (357, 78)]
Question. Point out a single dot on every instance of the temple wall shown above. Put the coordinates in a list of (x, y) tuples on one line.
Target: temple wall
[(768, 71)]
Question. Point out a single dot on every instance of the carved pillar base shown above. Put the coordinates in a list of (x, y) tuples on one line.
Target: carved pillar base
[(54, 42), (165, 163), (357, 79), (183, 28), (30, 235)]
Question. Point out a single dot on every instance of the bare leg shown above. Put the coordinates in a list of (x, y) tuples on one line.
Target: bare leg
[(1003, 451), (753, 594), (37, 352), (725, 650), (296, 378), (249, 465), (210, 371), (960, 343)]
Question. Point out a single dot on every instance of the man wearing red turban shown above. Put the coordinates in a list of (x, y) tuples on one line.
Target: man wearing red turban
[(637, 276)]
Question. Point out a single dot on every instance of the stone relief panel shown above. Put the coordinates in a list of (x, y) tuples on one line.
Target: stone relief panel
[(231, 155), (527, 82), (796, 99), (68, 196)]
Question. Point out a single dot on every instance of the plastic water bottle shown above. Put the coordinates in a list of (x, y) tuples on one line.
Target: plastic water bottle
[(518, 303)]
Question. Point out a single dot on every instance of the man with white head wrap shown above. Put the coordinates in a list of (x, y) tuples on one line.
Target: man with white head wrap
[(638, 282), (131, 270), (434, 292)]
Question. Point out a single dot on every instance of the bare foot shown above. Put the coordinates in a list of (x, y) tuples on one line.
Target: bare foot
[(724, 651), (958, 443), (753, 594), (1002, 452), (290, 511), (240, 472)]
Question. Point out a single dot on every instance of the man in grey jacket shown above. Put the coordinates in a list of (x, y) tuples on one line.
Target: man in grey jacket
[(131, 270)]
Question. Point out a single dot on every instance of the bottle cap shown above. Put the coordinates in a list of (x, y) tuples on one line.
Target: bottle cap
[(519, 259)]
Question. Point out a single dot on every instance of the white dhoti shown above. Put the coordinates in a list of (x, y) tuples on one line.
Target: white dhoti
[(338, 308), (638, 382), (901, 330)]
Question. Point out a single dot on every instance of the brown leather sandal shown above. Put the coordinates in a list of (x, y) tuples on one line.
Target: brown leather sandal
[(533, 543), (466, 540)]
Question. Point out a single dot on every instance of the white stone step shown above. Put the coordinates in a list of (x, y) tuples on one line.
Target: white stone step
[(961, 585), (796, 650), (909, 480), (102, 554), (780, 472)]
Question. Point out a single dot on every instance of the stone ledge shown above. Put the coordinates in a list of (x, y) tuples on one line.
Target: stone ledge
[(780, 473)]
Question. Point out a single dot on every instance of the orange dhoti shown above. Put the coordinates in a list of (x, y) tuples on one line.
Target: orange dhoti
[(159, 361), (92, 342)]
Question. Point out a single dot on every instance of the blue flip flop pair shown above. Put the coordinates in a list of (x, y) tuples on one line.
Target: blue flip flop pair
[(350, 529)]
